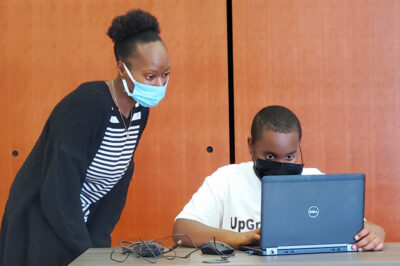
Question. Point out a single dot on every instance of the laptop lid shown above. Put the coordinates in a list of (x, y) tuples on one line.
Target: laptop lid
[(310, 212)]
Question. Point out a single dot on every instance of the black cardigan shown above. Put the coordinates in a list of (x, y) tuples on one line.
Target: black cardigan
[(43, 221)]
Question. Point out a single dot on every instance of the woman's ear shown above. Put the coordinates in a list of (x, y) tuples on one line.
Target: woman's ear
[(121, 68)]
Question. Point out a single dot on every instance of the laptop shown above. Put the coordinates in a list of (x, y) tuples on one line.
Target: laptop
[(310, 213)]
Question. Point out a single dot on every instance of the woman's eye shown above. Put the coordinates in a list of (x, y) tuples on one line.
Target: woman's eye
[(149, 77), (290, 157), (166, 74)]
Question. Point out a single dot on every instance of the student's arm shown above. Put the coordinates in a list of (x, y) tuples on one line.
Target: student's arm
[(193, 233), (371, 237)]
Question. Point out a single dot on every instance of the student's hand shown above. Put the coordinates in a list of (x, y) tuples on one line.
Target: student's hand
[(246, 238), (371, 237), (196, 234)]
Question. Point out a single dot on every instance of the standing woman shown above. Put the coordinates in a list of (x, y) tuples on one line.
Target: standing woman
[(70, 192)]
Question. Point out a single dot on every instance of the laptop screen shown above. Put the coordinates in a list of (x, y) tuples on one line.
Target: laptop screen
[(311, 209)]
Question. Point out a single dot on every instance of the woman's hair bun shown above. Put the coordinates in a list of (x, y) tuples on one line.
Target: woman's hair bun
[(132, 23)]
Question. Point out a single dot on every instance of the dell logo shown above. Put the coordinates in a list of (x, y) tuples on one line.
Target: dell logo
[(313, 211)]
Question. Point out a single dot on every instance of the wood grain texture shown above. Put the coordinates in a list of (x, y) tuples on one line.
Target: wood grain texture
[(390, 256), (336, 64), (172, 160), (48, 48)]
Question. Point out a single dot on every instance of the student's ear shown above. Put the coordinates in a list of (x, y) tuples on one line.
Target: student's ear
[(250, 145)]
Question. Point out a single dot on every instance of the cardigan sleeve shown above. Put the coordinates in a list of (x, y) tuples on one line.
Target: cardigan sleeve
[(73, 129), (43, 215)]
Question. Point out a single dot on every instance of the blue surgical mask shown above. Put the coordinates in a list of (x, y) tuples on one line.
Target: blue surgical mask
[(145, 95)]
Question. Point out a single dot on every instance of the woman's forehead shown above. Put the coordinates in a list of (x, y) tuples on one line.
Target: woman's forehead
[(152, 54)]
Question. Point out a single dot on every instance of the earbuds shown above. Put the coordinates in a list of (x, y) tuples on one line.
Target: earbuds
[(147, 250), (177, 244)]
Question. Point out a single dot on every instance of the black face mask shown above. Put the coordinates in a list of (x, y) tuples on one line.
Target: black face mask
[(266, 167)]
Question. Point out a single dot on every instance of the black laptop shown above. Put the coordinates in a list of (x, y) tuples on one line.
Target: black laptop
[(310, 213)]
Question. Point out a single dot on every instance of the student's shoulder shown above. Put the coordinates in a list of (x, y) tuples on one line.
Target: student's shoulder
[(232, 168), (311, 171), (231, 172)]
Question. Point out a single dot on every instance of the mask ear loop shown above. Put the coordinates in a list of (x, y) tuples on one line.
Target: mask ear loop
[(253, 158), (301, 155), (129, 73)]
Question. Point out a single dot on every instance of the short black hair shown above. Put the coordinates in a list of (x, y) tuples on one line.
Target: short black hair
[(135, 27), (275, 118)]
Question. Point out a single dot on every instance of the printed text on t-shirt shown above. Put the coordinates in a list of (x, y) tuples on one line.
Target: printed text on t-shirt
[(248, 224)]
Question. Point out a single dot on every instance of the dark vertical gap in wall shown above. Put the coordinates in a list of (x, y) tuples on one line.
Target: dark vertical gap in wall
[(230, 83)]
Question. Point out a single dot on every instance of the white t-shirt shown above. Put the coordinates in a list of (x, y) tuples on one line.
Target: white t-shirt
[(229, 199)]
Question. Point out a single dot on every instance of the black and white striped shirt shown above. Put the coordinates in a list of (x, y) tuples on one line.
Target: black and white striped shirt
[(111, 160)]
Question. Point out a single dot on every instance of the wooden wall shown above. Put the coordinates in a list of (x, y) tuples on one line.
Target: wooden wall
[(49, 47), (172, 158), (334, 62)]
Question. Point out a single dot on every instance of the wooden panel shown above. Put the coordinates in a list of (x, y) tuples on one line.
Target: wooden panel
[(49, 47), (172, 161), (336, 64), (46, 52)]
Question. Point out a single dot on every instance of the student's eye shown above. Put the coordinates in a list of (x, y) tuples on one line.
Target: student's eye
[(290, 157), (166, 74), (269, 157)]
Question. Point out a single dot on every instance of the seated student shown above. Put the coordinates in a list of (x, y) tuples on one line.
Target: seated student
[(227, 205)]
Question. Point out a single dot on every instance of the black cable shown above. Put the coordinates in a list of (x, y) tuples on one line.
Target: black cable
[(222, 255), (128, 247), (116, 260)]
